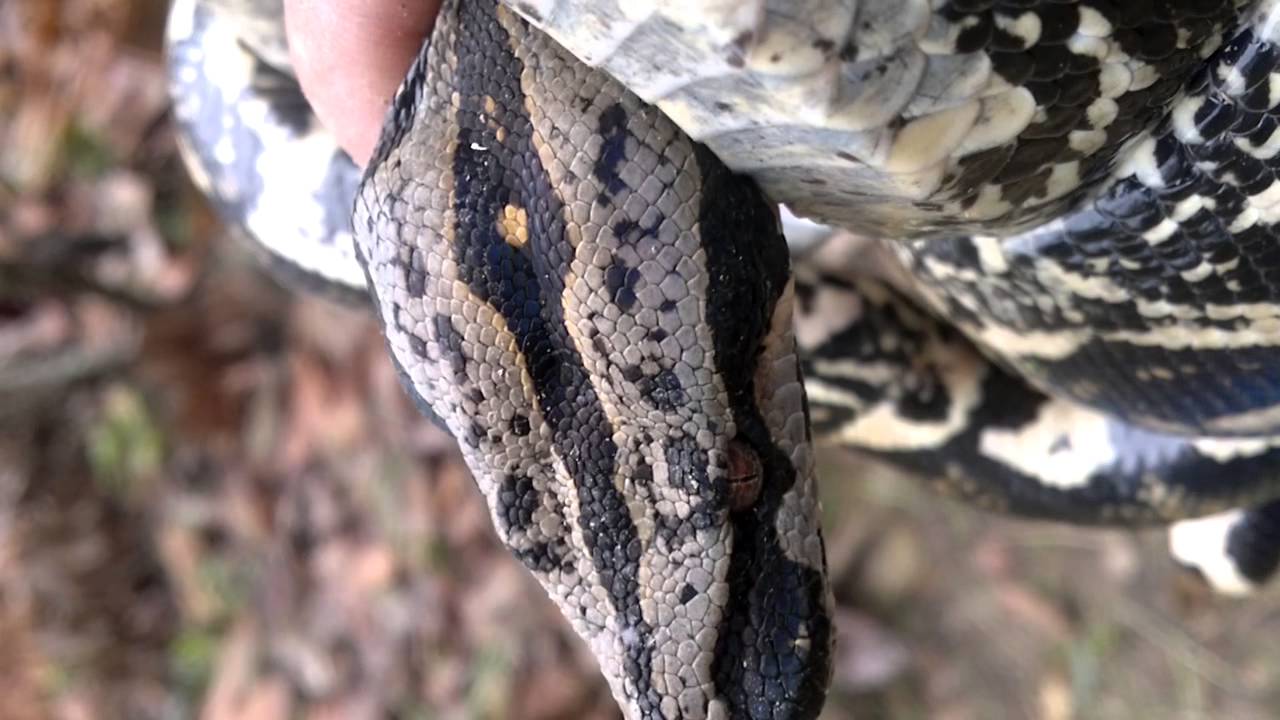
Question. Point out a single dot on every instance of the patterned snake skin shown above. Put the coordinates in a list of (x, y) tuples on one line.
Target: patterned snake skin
[(1073, 313)]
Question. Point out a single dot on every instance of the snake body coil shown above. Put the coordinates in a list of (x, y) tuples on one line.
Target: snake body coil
[(1080, 322)]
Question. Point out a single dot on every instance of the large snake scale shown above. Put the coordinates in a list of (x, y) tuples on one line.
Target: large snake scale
[(1071, 308)]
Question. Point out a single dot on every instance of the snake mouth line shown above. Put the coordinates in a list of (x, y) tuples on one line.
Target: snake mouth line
[(744, 477), (774, 655)]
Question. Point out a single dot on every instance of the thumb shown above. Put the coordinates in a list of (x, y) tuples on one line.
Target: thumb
[(350, 56)]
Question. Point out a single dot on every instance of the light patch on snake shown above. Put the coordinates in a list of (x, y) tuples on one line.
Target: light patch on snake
[(879, 425), (1062, 447), (1225, 450), (259, 25), (834, 309), (1201, 543), (884, 428), (1002, 116), (657, 500), (1265, 150), (990, 254), (226, 69), (283, 230), (1245, 422), (204, 45), (1139, 161), (514, 226), (927, 141)]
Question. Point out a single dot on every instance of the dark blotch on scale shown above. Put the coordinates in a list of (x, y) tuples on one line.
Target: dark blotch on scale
[(1254, 543), (518, 499), (620, 280), (664, 390), (613, 130), (450, 341)]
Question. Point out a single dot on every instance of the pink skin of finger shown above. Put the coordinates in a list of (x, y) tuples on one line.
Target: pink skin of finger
[(350, 56)]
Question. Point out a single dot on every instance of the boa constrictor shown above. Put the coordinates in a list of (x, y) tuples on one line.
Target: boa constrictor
[(1073, 314)]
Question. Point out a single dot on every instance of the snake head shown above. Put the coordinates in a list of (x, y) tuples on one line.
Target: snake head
[(600, 313)]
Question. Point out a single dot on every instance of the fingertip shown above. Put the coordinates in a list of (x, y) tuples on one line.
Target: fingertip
[(350, 56)]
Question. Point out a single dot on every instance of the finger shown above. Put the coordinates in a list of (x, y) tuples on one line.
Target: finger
[(350, 56)]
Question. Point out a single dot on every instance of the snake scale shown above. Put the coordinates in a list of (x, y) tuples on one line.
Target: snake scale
[(1071, 309)]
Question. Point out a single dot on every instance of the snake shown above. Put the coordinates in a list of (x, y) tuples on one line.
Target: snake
[(1059, 296)]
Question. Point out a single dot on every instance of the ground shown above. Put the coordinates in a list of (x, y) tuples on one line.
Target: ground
[(215, 500)]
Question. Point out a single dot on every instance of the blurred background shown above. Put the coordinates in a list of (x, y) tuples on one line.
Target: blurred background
[(216, 502)]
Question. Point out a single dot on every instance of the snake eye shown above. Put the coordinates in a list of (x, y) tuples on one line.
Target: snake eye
[(744, 476)]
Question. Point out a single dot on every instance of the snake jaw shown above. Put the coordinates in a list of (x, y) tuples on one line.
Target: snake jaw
[(780, 636), (743, 476)]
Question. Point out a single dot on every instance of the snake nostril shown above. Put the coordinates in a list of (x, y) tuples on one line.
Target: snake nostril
[(743, 476)]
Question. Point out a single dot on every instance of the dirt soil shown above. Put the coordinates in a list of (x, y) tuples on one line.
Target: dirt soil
[(216, 502)]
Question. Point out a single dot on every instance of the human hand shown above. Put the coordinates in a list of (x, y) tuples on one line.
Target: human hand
[(350, 56)]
